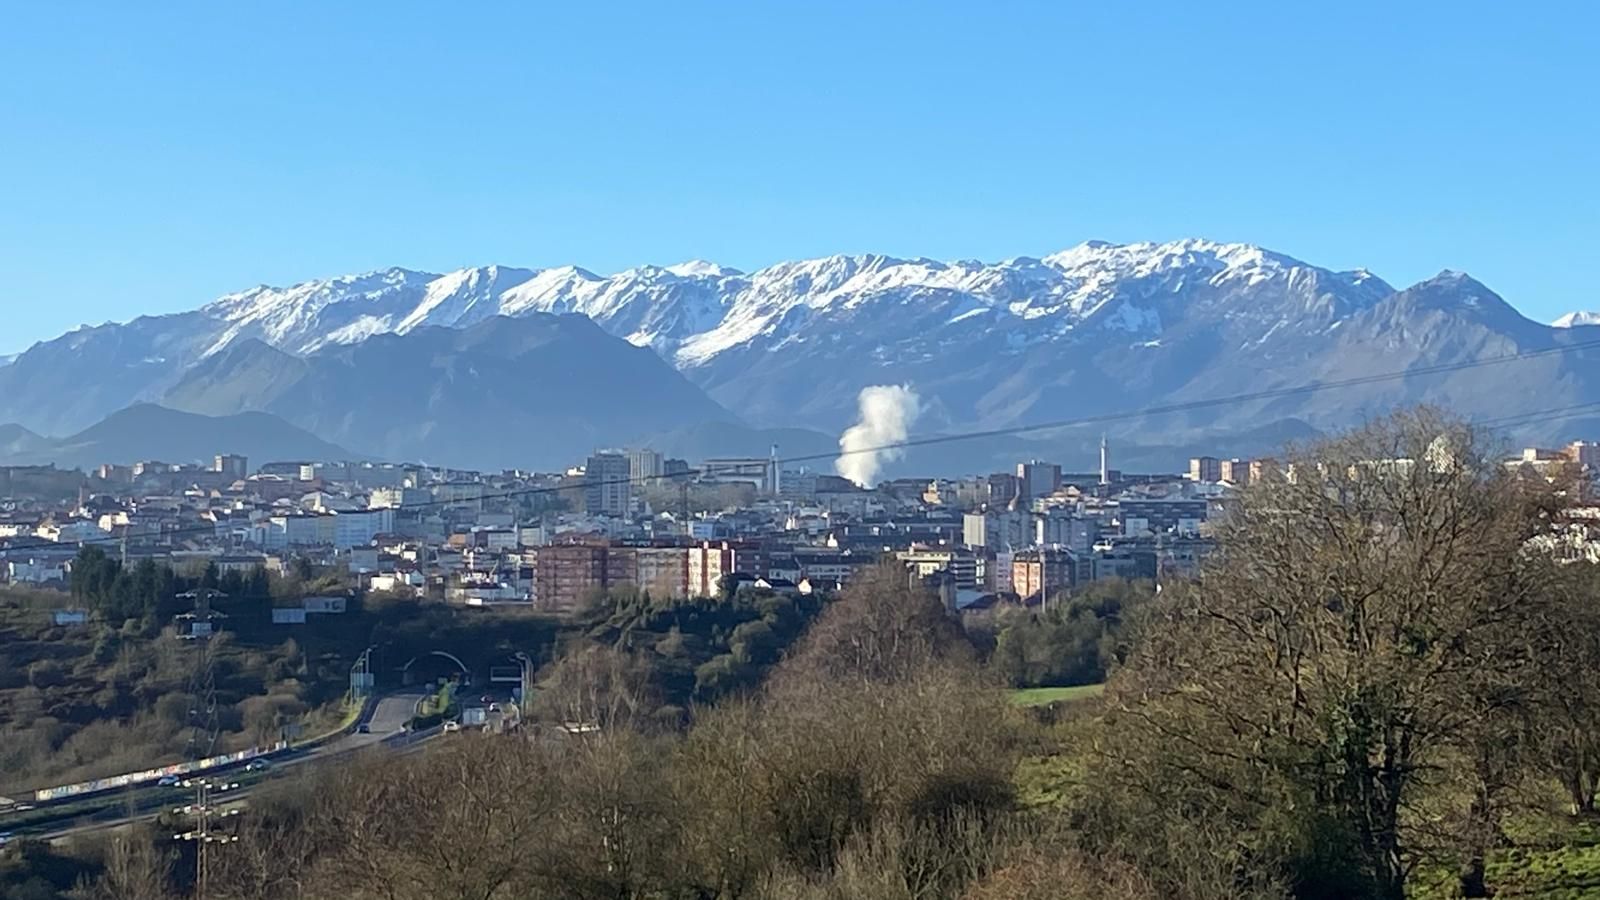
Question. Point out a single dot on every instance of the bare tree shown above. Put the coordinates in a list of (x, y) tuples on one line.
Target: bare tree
[(1361, 630), (717, 780), (450, 823), (885, 628), (1569, 699), (596, 686), (134, 870), (611, 835)]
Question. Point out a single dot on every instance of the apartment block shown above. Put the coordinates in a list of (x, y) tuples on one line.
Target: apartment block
[(607, 484), (1207, 469)]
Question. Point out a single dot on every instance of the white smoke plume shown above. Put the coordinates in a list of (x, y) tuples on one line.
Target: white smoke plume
[(887, 413)]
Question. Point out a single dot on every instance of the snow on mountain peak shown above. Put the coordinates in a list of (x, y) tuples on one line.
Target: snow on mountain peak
[(1145, 258), (463, 297), (699, 268), (1577, 319), (695, 310)]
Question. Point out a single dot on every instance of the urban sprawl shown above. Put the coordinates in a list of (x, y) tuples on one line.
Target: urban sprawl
[(555, 541)]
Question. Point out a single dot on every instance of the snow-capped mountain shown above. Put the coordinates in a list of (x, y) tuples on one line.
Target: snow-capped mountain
[(694, 311), (1097, 328), (650, 305), (1575, 319)]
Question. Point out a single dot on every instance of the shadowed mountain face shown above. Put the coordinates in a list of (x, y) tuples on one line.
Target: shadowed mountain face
[(148, 432), (17, 442), (535, 392), (449, 368)]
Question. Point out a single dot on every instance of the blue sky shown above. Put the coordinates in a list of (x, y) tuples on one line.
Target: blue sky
[(158, 155)]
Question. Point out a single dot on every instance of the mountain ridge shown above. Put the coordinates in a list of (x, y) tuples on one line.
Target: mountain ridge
[(1093, 329), (147, 431), (1577, 319)]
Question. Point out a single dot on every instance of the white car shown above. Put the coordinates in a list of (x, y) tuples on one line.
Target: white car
[(452, 726)]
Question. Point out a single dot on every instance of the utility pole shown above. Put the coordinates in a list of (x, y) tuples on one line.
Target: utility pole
[(1044, 579), (199, 626), (203, 811)]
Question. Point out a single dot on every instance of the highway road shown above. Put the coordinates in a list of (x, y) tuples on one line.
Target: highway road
[(387, 719), (385, 727)]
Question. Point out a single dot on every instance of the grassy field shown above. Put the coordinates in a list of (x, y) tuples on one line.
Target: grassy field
[(1552, 856), (1048, 695)]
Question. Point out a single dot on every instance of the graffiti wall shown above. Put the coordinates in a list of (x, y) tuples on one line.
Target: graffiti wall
[(116, 781)]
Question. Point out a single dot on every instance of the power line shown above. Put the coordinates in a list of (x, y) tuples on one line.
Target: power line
[(1187, 406), (1560, 412), (1096, 419)]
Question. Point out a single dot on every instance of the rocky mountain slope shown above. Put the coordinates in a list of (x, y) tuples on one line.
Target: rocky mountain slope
[(537, 391)]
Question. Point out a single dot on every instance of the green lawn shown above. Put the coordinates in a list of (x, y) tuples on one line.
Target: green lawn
[(1047, 695)]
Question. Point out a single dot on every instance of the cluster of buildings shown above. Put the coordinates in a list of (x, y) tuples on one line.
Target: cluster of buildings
[(636, 519)]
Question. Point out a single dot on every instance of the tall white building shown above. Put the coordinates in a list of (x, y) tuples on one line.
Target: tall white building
[(1059, 528), (644, 464), (996, 530)]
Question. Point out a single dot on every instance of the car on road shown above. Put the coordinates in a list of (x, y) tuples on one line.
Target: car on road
[(452, 726), (257, 765), (6, 837), (363, 728), (168, 781), (494, 707)]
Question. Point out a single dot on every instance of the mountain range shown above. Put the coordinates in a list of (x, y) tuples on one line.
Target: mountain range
[(540, 391), (537, 363)]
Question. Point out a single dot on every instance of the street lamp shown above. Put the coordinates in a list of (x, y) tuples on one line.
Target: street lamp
[(361, 676), (527, 681)]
